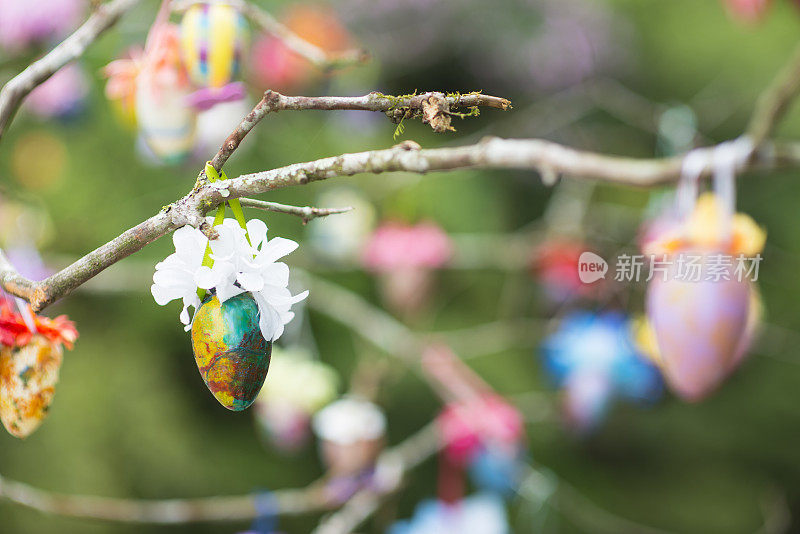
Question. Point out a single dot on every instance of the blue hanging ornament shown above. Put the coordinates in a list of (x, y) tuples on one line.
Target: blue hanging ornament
[(593, 358)]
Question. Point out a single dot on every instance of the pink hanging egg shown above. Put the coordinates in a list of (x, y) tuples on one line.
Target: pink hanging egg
[(701, 328)]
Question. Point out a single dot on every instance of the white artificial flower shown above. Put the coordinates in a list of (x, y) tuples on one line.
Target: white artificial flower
[(239, 266), (174, 277), (350, 420)]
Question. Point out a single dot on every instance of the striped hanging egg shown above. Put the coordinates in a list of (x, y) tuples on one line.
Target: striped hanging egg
[(702, 330), (231, 354), (28, 376), (213, 36)]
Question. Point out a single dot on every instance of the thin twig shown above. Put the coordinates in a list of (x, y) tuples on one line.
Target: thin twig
[(369, 322), (775, 101), (18, 87), (316, 55), (306, 213), (388, 477)]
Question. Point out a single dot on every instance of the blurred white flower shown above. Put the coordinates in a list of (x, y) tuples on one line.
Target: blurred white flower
[(239, 266), (299, 380)]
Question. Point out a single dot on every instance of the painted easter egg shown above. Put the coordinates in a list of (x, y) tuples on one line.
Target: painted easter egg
[(212, 39), (28, 376), (699, 328), (166, 123), (231, 354)]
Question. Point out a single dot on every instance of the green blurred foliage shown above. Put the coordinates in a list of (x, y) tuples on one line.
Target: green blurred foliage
[(132, 418)]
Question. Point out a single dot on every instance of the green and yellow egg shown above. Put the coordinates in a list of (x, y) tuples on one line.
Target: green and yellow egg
[(231, 354)]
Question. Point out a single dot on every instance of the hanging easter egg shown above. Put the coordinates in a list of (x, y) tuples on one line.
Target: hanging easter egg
[(586, 399), (62, 96), (481, 513), (593, 358), (748, 11), (699, 326), (165, 122), (299, 386), (28, 24), (231, 353), (215, 123), (351, 433), (28, 375), (406, 256), (213, 36), (344, 237), (755, 313), (497, 469)]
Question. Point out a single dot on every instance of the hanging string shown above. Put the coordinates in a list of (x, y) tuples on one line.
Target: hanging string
[(728, 158), (27, 315), (162, 19), (693, 165)]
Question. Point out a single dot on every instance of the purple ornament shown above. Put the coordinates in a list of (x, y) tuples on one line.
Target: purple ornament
[(23, 23), (702, 330)]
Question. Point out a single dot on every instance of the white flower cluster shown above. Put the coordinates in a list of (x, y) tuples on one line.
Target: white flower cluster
[(239, 267)]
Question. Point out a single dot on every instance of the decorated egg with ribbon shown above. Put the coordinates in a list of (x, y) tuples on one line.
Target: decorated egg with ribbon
[(230, 351), (28, 376), (166, 122), (699, 327), (30, 358), (702, 306), (213, 36)]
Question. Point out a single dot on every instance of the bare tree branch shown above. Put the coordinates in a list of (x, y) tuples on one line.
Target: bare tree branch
[(273, 101), (313, 53), (306, 213), (775, 101), (528, 154), (16, 89), (545, 157), (388, 475), (391, 466)]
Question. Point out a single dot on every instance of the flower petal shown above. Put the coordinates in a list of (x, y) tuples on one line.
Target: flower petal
[(162, 295), (205, 277), (275, 249), (250, 281), (226, 291), (257, 231), (276, 274)]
